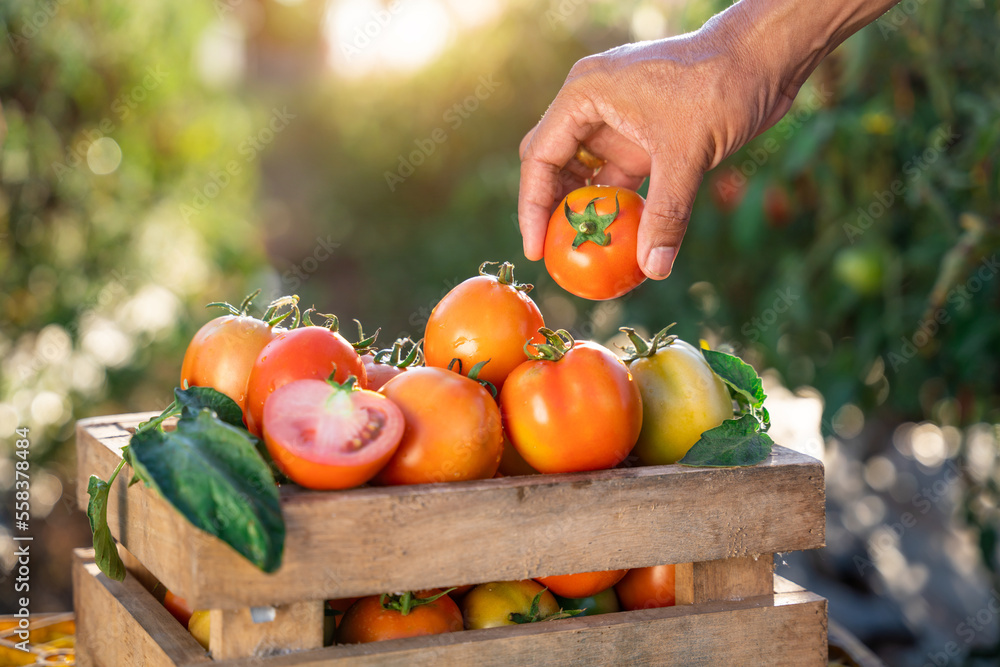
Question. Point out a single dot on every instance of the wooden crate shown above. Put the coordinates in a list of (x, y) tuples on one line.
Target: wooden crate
[(722, 525)]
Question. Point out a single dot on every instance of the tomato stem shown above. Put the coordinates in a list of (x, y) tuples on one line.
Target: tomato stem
[(646, 348), (557, 343), (293, 309), (505, 276), (589, 225), (365, 343), (394, 356), (406, 602)]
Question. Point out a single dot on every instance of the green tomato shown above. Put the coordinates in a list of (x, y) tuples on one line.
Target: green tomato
[(681, 399), (604, 602), (491, 605)]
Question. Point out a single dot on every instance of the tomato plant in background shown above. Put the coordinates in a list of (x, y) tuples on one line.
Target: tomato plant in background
[(309, 352), (452, 432), (381, 617), (500, 603), (647, 588), (325, 435), (485, 318), (681, 396), (573, 406), (591, 242), (583, 584), (222, 352)]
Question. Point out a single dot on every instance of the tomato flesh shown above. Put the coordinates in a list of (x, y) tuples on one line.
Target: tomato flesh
[(311, 352), (326, 437)]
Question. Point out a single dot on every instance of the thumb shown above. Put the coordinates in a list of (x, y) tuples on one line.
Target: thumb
[(672, 189)]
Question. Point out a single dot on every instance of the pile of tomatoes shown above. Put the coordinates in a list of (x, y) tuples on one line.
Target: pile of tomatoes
[(491, 391)]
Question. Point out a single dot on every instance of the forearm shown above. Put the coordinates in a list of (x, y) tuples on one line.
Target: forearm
[(791, 37)]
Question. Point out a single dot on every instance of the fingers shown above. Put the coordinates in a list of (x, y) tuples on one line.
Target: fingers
[(545, 151), (672, 189)]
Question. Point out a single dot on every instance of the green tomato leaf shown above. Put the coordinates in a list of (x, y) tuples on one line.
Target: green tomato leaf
[(105, 552), (193, 399), (211, 473), (735, 442), (738, 375)]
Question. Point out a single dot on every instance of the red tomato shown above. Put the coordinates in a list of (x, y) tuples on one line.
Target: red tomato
[(581, 585), (222, 353), (579, 409), (382, 366), (728, 190), (326, 436), (488, 317), (591, 242), (310, 352), (369, 620), (647, 588), (178, 607), (452, 430)]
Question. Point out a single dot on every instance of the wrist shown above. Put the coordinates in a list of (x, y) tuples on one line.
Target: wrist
[(787, 39)]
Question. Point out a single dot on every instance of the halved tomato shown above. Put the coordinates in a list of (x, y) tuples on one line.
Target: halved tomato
[(329, 436)]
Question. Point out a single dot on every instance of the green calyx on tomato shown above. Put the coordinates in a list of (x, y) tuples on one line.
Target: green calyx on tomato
[(365, 344), (535, 615), (474, 374), (642, 348), (403, 354), (557, 344), (589, 225), (505, 276), (270, 316), (406, 602)]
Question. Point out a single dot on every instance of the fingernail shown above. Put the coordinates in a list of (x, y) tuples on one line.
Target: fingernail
[(660, 261)]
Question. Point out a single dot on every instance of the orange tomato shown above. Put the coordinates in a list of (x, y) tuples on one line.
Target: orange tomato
[(591, 242), (368, 620), (647, 588), (581, 585)]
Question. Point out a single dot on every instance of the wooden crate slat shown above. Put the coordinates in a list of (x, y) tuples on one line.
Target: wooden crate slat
[(120, 623), (726, 579), (372, 540)]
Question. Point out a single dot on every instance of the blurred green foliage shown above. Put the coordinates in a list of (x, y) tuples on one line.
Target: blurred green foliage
[(158, 156)]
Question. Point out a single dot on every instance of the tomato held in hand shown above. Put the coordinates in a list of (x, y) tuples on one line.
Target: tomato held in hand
[(507, 603), (574, 407), (452, 432), (222, 352), (487, 317), (381, 617), (591, 242), (307, 353), (647, 588), (583, 584), (328, 436), (682, 397)]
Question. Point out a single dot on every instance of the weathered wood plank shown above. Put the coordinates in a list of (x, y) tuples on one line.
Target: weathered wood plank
[(726, 579), (296, 627), (120, 623), (373, 540), (748, 632)]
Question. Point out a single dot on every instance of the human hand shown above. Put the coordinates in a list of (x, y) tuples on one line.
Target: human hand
[(673, 109)]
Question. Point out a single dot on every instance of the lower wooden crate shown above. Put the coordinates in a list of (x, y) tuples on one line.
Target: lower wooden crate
[(121, 623)]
